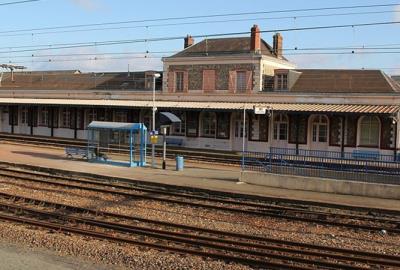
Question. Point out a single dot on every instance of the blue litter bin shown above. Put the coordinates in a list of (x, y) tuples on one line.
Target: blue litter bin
[(179, 163)]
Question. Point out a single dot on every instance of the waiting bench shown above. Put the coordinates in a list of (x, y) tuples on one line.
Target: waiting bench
[(365, 154), (174, 141), (75, 151)]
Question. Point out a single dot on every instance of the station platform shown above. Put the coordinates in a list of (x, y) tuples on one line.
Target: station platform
[(209, 176)]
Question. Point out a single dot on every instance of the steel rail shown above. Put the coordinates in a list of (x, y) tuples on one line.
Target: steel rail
[(238, 236), (207, 206), (208, 242)]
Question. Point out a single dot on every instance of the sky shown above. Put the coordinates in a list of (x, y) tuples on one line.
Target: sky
[(16, 46)]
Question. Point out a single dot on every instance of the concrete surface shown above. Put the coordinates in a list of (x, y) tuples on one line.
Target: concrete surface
[(18, 258), (322, 185), (206, 176)]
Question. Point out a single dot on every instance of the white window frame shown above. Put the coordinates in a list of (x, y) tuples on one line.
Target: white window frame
[(241, 81), (44, 116), (179, 129), (317, 126), (24, 115), (209, 124), (362, 125), (282, 124), (65, 115), (179, 81)]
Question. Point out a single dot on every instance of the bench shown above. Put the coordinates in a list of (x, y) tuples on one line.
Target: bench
[(174, 141), (75, 151), (365, 154)]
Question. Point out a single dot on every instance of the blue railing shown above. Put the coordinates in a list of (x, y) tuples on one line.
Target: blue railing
[(357, 165)]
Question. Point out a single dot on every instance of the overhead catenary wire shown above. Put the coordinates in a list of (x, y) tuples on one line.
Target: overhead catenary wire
[(201, 16), (195, 23), (157, 39), (18, 2)]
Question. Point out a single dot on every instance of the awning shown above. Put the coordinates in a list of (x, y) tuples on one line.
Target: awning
[(295, 107), (167, 118)]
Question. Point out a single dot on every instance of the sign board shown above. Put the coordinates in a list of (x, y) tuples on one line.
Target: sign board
[(260, 110)]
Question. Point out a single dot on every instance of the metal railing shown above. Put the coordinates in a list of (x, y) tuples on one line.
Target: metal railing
[(366, 166)]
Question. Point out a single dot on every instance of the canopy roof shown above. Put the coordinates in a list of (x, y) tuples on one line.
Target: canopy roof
[(116, 126)]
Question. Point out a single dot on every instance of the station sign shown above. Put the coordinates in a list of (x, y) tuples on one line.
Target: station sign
[(260, 110)]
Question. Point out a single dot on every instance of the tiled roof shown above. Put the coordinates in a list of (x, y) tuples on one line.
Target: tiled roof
[(344, 81), (65, 80), (223, 46)]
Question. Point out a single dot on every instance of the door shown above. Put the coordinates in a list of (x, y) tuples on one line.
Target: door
[(237, 141), (319, 133)]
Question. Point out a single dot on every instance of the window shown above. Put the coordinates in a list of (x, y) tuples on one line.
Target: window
[(320, 129), (241, 81), (179, 81), (208, 124), (280, 127), (148, 82), (369, 131), (65, 118), (192, 123), (268, 83), (91, 116), (223, 125), (24, 115), (44, 117), (258, 128), (281, 82), (179, 128), (121, 116)]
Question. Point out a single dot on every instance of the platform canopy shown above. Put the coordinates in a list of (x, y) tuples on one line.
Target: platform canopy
[(116, 126)]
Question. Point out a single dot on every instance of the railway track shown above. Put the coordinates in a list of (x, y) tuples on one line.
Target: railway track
[(255, 251), (390, 223)]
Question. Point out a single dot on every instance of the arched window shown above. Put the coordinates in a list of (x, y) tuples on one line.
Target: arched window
[(369, 131), (208, 124), (320, 129), (280, 127)]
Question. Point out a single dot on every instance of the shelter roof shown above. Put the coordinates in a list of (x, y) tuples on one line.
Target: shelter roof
[(116, 125)]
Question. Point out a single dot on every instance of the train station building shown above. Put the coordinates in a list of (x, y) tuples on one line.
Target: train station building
[(211, 85)]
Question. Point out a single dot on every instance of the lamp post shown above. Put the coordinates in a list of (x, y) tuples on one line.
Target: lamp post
[(154, 109)]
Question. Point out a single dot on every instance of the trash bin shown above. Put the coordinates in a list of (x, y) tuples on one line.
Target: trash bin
[(179, 163)]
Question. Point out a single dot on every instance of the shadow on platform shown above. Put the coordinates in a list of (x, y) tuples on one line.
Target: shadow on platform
[(39, 155)]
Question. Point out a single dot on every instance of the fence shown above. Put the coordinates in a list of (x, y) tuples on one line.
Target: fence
[(356, 166)]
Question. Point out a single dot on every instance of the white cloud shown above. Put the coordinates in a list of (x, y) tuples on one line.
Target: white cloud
[(87, 4)]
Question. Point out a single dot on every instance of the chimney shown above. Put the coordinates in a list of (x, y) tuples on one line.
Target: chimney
[(278, 45), (189, 41), (255, 44)]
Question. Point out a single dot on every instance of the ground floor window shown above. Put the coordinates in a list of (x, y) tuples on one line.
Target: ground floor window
[(121, 116), (192, 124), (91, 116), (320, 129), (44, 116), (369, 131), (280, 127), (258, 128), (223, 125), (208, 124), (65, 121), (179, 129), (24, 115)]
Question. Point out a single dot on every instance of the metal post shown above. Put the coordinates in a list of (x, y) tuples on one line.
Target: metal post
[(130, 148), (153, 123), (164, 164), (244, 135), (395, 139)]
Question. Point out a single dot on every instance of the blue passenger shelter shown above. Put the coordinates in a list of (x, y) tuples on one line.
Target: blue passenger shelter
[(117, 143)]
